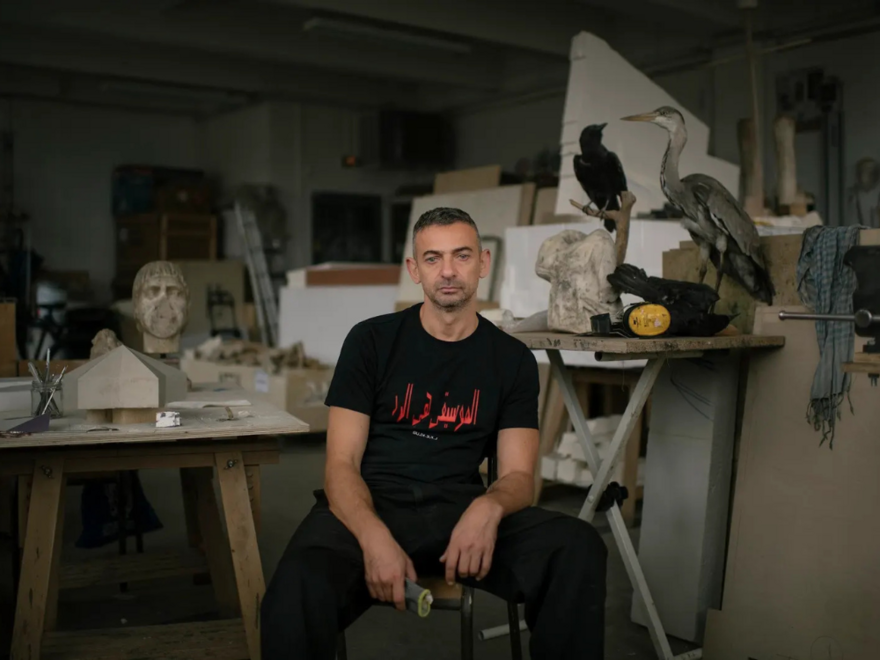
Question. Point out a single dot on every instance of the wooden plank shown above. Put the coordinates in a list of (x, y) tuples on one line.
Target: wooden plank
[(36, 565), (214, 640), (631, 467), (131, 568), (99, 466), (196, 424), (55, 569), (624, 346), (255, 493), (861, 367), (216, 543), (25, 482), (474, 178), (527, 202), (545, 205), (243, 541)]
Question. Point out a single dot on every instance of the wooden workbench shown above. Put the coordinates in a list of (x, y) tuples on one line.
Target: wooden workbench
[(715, 381), (205, 441)]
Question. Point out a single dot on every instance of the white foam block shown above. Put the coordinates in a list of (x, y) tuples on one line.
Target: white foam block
[(321, 316), (687, 488), (603, 87)]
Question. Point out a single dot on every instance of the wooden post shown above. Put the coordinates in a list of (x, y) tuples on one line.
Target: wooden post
[(243, 542), (216, 544), (754, 201), (37, 559)]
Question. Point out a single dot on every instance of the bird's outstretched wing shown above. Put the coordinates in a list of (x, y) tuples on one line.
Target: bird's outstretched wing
[(727, 213)]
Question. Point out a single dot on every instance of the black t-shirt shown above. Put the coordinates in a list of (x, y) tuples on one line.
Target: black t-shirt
[(435, 407)]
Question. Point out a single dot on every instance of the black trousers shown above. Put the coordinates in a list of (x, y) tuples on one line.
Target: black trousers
[(556, 563)]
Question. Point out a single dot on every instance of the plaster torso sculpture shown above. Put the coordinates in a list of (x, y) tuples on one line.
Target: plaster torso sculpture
[(577, 266), (161, 306), (863, 199)]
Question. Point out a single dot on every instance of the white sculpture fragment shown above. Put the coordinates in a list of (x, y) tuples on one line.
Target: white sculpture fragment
[(577, 266)]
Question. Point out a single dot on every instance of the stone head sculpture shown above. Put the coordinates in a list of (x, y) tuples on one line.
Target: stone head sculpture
[(161, 305)]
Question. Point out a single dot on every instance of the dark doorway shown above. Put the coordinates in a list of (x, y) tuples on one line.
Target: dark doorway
[(346, 227)]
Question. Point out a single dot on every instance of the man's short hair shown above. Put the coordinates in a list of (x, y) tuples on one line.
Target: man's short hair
[(443, 216)]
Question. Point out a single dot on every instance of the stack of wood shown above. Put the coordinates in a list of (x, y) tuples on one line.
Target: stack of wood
[(255, 354)]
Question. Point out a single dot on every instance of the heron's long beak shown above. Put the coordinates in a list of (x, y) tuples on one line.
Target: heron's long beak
[(648, 116)]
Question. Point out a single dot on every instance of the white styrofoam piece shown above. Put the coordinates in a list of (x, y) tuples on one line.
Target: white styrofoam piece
[(566, 470), (15, 394), (167, 419), (687, 487), (321, 316), (548, 468), (492, 209), (603, 87)]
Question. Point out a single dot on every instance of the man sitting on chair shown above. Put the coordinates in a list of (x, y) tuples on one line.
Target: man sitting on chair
[(418, 399)]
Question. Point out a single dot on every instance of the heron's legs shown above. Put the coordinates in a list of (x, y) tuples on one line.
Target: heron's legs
[(720, 273), (704, 261)]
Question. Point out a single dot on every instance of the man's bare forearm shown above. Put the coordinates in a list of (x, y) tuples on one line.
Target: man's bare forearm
[(511, 493), (351, 502)]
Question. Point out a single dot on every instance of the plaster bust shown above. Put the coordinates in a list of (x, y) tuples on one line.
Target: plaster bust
[(161, 306)]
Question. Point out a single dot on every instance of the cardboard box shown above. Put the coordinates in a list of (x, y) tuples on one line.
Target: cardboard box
[(300, 392)]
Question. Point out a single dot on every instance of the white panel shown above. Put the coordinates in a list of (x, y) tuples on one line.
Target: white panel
[(494, 210), (603, 87), (321, 316), (687, 491)]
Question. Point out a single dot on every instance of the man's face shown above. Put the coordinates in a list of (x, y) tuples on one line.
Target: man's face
[(448, 264), (162, 308)]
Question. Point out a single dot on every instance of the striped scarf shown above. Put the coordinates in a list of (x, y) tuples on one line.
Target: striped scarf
[(826, 285)]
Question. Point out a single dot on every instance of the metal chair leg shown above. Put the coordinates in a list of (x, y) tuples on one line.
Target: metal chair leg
[(467, 623), (515, 638), (341, 650)]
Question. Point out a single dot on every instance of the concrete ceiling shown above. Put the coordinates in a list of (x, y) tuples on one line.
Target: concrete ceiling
[(204, 56)]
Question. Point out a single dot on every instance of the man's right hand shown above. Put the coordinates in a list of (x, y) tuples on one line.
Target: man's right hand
[(386, 565)]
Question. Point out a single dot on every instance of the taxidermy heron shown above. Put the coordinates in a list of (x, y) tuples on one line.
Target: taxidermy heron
[(716, 221), (599, 172)]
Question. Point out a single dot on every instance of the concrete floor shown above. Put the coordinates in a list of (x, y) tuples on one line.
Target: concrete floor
[(381, 633)]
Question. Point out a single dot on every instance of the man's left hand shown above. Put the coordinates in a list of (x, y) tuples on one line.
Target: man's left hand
[(470, 548)]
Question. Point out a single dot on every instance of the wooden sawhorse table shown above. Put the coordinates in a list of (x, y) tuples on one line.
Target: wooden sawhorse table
[(656, 352), (204, 442)]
